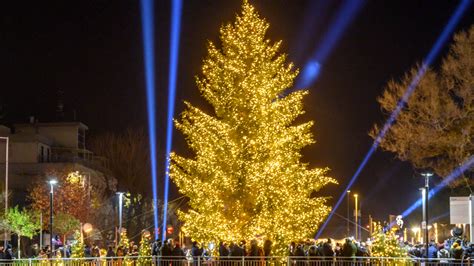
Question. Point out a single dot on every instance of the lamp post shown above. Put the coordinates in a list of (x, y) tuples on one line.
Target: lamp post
[(424, 224), (51, 184), (356, 214), (6, 185), (120, 194), (348, 230)]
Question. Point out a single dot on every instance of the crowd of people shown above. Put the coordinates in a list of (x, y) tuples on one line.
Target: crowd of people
[(454, 248)]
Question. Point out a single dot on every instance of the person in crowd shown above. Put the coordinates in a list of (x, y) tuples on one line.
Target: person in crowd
[(267, 250), (456, 250), (254, 250), (468, 254), (95, 252), (338, 250), (236, 251), (196, 252), (178, 255), (167, 248), (155, 248), (292, 249), (223, 251), (2, 252), (349, 249), (300, 255), (110, 255), (326, 249), (8, 254), (432, 250), (442, 253)]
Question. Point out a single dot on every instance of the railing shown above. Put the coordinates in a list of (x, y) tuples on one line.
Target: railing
[(236, 261)]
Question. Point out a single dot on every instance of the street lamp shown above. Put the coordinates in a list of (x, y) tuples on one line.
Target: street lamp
[(424, 224), (120, 194), (348, 230), (356, 214), (51, 184), (6, 185)]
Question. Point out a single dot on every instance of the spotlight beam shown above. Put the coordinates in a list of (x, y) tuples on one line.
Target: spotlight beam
[(446, 181), (173, 72), (448, 29), (149, 64), (338, 25)]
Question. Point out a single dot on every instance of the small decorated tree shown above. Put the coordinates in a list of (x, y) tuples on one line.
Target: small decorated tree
[(145, 250), (124, 242), (78, 247), (387, 244)]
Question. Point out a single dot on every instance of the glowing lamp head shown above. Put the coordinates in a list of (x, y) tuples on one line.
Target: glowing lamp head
[(53, 182), (87, 227)]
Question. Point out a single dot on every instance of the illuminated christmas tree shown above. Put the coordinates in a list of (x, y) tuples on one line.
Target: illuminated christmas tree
[(77, 249), (124, 242), (386, 244), (246, 179), (145, 250)]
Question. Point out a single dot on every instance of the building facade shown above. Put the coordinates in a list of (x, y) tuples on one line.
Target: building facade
[(38, 148)]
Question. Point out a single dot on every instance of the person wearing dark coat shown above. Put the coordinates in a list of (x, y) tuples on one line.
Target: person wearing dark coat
[(236, 251), (223, 251), (349, 249), (155, 248), (166, 249), (326, 250), (300, 255), (2, 252), (8, 255), (178, 255), (196, 252)]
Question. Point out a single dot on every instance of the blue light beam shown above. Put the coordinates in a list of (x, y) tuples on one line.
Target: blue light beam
[(446, 181), (149, 64), (173, 72), (338, 25), (448, 29)]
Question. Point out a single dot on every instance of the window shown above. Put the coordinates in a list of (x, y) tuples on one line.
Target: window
[(41, 155), (81, 138)]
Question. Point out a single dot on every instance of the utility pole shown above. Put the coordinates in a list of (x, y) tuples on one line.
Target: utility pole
[(51, 245), (5, 241), (424, 224), (348, 230), (371, 226), (120, 194), (356, 214)]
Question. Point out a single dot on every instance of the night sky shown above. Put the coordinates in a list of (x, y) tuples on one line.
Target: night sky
[(92, 51)]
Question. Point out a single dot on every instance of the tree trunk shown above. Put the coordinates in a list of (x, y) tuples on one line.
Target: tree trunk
[(19, 246)]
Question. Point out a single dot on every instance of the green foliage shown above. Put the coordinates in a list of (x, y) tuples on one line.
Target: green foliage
[(65, 223), (22, 222), (78, 247)]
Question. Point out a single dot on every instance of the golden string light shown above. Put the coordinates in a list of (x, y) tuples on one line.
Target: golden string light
[(246, 179)]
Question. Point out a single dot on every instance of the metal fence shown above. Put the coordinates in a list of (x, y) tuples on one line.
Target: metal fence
[(237, 261)]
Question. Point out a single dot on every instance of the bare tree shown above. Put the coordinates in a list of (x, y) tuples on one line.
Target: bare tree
[(435, 128), (128, 158), (127, 154)]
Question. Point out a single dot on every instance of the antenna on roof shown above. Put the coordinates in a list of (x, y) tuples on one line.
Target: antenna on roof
[(60, 105)]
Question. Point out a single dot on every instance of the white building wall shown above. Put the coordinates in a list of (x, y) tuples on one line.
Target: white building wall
[(61, 136)]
